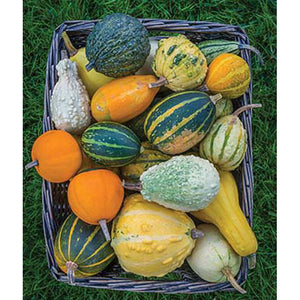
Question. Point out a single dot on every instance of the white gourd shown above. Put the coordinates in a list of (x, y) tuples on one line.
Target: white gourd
[(70, 103)]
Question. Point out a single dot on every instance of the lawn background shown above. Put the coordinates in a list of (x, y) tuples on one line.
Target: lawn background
[(258, 18)]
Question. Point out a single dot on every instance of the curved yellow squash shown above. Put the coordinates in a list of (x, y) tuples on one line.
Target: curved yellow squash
[(226, 214), (149, 239)]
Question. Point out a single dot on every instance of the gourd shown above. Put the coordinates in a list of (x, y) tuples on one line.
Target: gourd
[(92, 80), (179, 64), (212, 48), (180, 121), (229, 75), (56, 156), (96, 196), (224, 107), (110, 144), (213, 259), (184, 182), (148, 158), (225, 213), (70, 103), (80, 249), (151, 240), (226, 143), (117, 46), (123, 99)]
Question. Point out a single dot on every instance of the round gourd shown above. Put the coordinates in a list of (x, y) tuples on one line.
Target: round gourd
[(184, 183), (151, 240), (229, 75), (213, 259), (123, 99), (226, 143), (117, 46), (224, 107), (179, 63), (110, 144), (180, 121), (56, 156), (96, 196), (80, 249)]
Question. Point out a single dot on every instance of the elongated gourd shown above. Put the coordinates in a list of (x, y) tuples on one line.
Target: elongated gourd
[(225, 212)]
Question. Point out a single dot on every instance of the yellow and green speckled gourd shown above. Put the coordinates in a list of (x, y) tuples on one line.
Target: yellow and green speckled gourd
[(179, 63), (151, 240)]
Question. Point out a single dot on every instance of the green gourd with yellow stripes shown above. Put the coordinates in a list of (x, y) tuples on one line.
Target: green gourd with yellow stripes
[(80, 249), (226, 143), (180, 121)]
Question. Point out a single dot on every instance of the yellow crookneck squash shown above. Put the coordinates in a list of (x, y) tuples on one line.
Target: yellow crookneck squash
[(226, 214)]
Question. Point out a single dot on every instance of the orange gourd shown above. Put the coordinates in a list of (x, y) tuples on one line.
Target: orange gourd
[(56, 156), (228, 74), (123, 99), (95, 196)]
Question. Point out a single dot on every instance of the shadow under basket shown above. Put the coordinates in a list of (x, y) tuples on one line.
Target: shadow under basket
[(54, 196)]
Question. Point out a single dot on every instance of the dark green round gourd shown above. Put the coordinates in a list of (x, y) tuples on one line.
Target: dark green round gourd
[(80, 249), (117, 46)]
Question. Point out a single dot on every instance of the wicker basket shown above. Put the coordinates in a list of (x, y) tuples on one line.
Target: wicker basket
[(54, 196)]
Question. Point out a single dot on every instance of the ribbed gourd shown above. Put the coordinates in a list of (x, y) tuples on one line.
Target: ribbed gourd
[(123, 99), (110, 144), (224, 107), (151, 240), (117, 46), (184, 182), (92, 80), (70, 102), (80, 249), (226, 143), (179, 64), (180, 121)]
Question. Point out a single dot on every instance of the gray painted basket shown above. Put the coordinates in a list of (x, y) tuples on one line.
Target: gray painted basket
[(54, 196)]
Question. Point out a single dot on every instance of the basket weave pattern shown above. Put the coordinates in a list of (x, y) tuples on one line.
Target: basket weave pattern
[(54, 196)]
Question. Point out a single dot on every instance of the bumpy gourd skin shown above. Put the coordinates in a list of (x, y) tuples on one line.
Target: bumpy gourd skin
[(118, 45), (183, 183), (149, 239)]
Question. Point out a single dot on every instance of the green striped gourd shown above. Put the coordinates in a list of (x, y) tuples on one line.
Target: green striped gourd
[(110, 144), (224, 107), (180, 121), (212, 48), (150, 157), (226, 143), (80, 249)]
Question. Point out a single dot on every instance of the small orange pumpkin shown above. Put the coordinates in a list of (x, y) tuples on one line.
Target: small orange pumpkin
[(228, 74), (123, 99), (56, 156), (95, 196)]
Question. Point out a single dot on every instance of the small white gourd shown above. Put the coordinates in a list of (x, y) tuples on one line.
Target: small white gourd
[(70, 103), (213, 259)]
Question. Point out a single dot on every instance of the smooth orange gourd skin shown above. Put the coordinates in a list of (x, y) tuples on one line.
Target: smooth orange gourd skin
[(123, 99), (95, 195), (58, 155), (228, 74), (226, 214)]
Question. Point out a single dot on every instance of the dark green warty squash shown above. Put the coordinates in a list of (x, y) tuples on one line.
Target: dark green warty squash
[(117, 46)]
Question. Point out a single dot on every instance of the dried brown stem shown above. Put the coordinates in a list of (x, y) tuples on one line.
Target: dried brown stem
[(34, 163), (104, 228), (227, 272), (71, 268), (245, 107), (133, 186), (196, 233), (160, 82)]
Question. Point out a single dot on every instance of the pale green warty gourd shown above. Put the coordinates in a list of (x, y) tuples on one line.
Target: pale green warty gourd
[(70, 103)]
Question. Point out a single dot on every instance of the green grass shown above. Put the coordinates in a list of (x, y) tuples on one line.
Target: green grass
[(258, 18)]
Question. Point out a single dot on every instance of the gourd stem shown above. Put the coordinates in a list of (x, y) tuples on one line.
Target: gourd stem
[(251, 48), (34, 163), (245, 107), (71, 49), (227, 272), (203, 88), (133, 186), (161, 81), (90, 66), (251, 261), (215, 98), (71, 268), (104, 228), (142, 149), (196, 234)]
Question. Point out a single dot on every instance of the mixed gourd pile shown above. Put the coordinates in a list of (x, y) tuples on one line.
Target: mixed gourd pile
[(151, 121)]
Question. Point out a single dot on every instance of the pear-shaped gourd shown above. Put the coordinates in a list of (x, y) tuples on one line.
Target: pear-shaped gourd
[(70, 103), (226, 143)]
